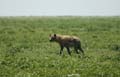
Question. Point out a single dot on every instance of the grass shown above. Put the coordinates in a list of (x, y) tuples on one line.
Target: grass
[(25, 50)]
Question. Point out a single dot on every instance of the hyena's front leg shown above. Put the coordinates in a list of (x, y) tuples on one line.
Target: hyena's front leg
[(61, 49), (68, 50)]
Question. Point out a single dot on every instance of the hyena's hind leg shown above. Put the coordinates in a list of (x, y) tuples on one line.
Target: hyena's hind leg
[(76, 49), (79, 47), (68, 50)]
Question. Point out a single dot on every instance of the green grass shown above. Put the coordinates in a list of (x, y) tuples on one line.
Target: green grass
[(25, 50)]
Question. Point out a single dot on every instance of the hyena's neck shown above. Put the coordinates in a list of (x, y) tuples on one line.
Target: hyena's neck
[(58, 39)]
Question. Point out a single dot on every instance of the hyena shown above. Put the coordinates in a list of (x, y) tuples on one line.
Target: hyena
[(66, 41)]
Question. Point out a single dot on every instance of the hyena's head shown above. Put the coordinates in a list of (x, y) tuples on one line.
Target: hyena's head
[(52, 38)]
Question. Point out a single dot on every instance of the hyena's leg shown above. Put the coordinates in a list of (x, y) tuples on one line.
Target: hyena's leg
[(61, 50), (76, 45), (76, 49), (80, 48), (68, 50)]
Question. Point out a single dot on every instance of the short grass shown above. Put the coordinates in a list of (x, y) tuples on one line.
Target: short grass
[(25, 50)]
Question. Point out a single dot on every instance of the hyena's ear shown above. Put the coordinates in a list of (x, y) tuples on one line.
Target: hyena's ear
[(54, 35)]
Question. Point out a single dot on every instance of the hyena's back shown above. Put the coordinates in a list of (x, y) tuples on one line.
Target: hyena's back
[(69, 40)]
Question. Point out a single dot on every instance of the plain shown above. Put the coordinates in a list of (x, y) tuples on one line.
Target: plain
[(25, 50)]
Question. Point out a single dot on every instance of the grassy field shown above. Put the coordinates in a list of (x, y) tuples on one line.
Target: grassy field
[(25, 50)]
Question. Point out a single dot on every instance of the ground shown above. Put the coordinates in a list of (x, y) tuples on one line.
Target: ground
[(25, 50)]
